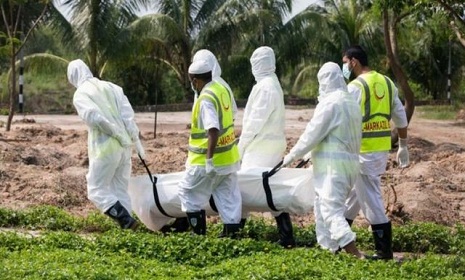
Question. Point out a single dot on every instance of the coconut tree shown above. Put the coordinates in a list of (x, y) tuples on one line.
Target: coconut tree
[(169, 35), (338, 24), (326, 30), (245, 25), (95, 27), (238, 28), (225, 27)]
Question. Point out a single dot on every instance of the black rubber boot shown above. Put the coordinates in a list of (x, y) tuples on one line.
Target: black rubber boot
[(230, 230), (179, 225), (242, 223), (118, 213), (286, 235), (382, 235), (198, 221), (350, 222)]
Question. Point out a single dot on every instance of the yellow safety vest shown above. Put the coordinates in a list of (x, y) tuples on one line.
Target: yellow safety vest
[(226, 151), (376, 104)]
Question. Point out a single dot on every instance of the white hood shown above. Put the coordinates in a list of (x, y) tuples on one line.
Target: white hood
[(78, 72), (210, 57), (330, 79), (263, 63), (207, 55)]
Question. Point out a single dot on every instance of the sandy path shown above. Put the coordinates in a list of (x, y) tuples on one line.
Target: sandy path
[(166, 121), (436, 131)]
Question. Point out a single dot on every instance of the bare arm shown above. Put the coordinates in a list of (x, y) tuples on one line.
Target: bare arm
[(402, 132), (212, 141)]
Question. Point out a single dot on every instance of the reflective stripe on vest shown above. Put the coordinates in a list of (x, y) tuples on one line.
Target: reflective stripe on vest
[(226, 152), (376, 111)]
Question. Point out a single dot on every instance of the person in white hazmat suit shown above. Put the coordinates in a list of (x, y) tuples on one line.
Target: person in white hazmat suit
[(379, 101), (333, 136), (263, 142), (111, 132), (213, 159)]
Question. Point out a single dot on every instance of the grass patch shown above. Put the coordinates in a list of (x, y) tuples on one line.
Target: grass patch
[(64, 246), (42, 94), (438, 112), (120, 254)]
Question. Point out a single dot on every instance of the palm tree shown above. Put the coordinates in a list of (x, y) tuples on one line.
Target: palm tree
[(239, 27), (224, 27), (96, 27), (344, 23), (338, 24), (326, 30)]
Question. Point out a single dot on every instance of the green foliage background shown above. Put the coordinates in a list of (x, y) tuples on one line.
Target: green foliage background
[(148, 56)]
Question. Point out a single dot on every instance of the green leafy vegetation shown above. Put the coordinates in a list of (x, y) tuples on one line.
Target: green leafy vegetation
[(48, 243), (149, 55)]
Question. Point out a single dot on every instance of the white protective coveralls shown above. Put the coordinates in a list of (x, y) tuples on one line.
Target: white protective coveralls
[(111, 131), (263, 142), (334, 137), (207, 55), (196, 186)]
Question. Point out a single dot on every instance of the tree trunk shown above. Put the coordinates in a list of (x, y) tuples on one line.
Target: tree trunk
[(390, 42), (11, 30), (458, 34), (12, 89)]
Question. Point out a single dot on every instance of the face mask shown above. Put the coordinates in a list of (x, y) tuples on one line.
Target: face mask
[(346, 71), (194, 90)]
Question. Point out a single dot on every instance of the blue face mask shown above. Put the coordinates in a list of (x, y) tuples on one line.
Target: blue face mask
[(346, 71)]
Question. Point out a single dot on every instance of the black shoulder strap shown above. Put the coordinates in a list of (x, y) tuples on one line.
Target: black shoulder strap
[(212, 204), (266, 185), (155, 190), (157, 198)]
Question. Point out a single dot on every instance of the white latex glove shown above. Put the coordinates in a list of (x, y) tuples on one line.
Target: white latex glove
[(209, 167), (288, 159), (140, 149), (123, 141), (307, 156), (402, 153)]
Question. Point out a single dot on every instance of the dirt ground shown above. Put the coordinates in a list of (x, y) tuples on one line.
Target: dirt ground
[(43, 160)]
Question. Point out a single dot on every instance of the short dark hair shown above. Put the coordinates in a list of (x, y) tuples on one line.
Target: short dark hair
[(358, 53), (204, 76)]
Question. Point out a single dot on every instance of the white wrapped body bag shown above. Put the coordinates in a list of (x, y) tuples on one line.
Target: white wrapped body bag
[(290, 190)]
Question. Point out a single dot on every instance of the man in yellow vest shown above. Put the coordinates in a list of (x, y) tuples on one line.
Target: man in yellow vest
[(213, 157), (380, 103)]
